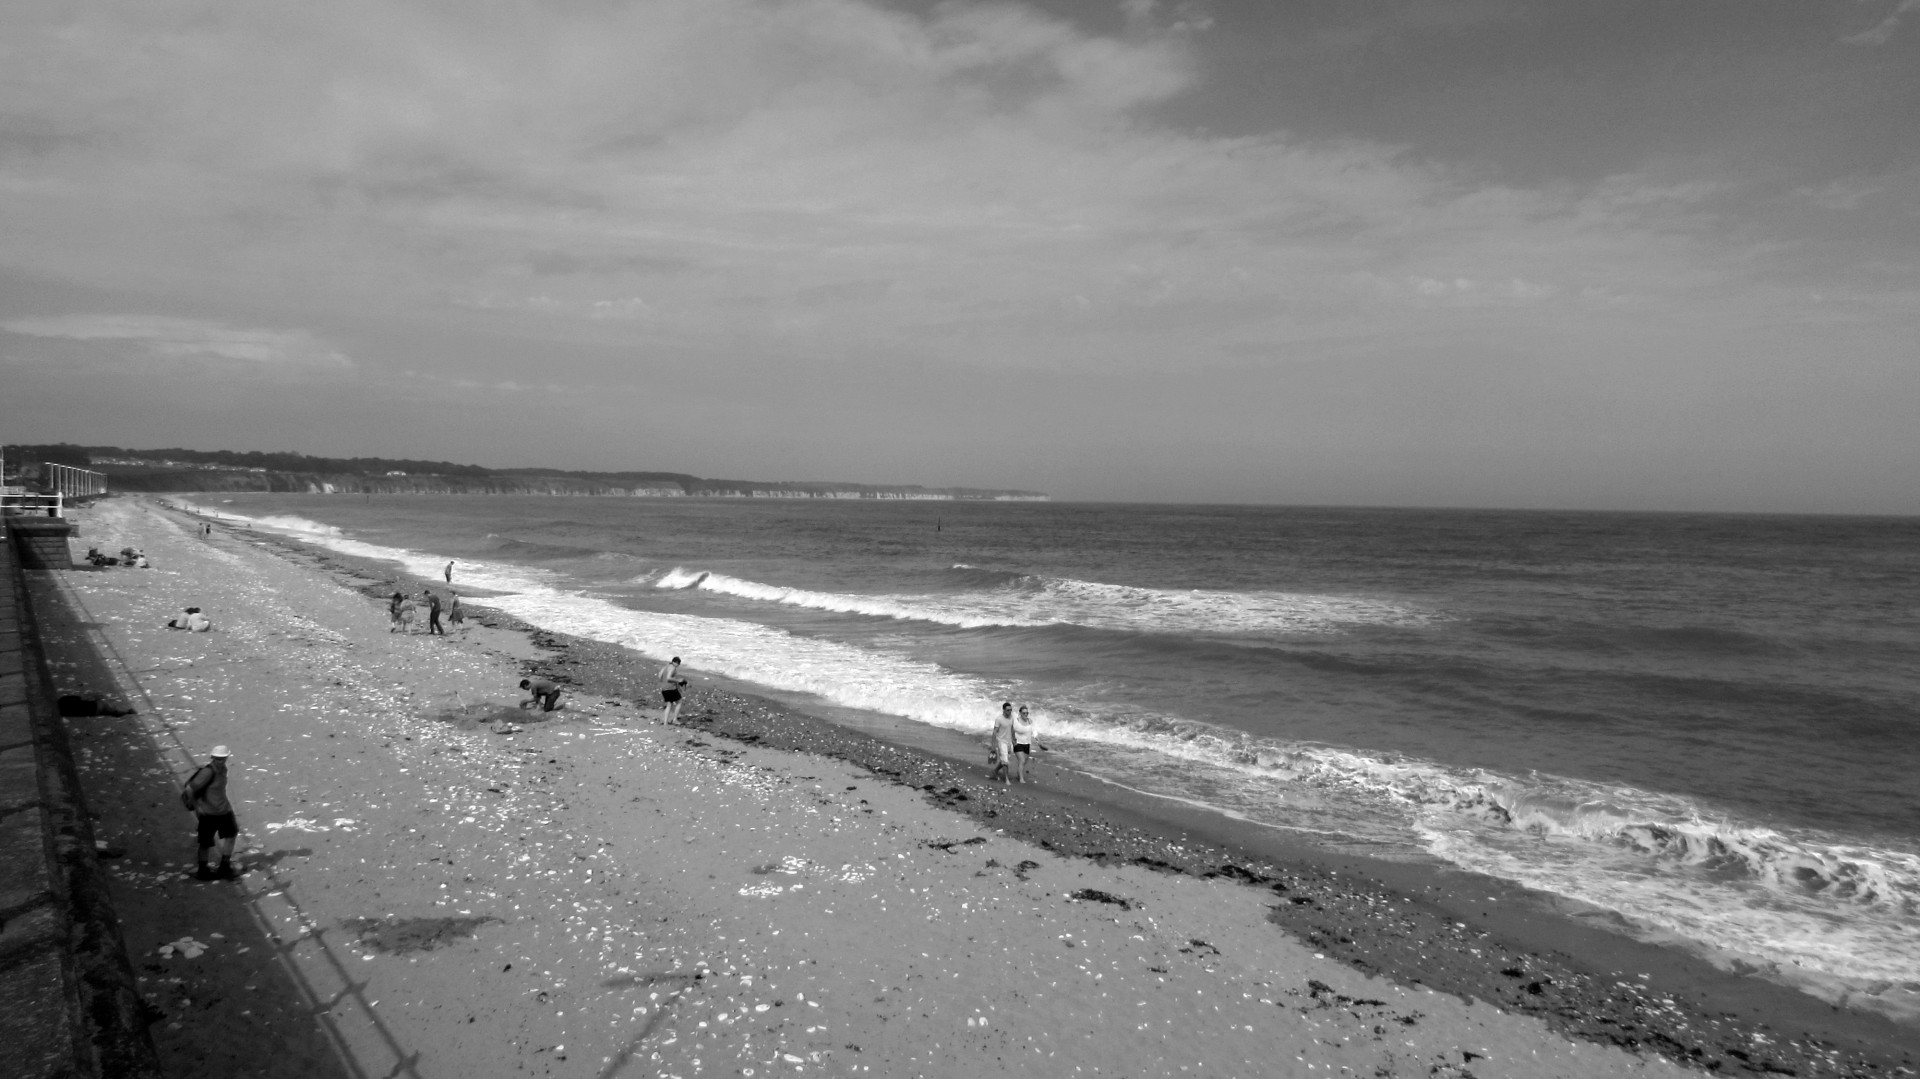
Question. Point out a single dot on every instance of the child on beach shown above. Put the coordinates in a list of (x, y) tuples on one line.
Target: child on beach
[(670, 686), (1003, 741)]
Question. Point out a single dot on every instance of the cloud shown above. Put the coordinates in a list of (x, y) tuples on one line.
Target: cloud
[(768, 180), (179, 337), (1882, 32)]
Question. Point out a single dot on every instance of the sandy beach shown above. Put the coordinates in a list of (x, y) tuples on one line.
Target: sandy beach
[(436, 883)]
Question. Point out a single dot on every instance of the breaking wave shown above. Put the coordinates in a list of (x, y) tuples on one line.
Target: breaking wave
[(1031, 600)]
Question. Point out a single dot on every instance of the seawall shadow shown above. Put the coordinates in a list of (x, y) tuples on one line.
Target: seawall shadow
[(241, 1002)]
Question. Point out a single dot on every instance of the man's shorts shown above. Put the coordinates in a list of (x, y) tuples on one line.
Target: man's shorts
[(669, 695), (217, 824)]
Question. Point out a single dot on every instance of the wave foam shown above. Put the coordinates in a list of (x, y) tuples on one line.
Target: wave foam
[(1045, 601), (278, 522)]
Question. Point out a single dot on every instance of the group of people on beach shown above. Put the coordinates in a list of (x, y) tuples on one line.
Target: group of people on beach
[(403, 612), (546, 693), (129, 556)]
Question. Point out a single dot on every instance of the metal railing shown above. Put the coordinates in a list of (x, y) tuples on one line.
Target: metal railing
[(19, 502), (75, 482)]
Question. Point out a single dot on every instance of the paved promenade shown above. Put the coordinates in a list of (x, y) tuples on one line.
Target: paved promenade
[(67, 1006)]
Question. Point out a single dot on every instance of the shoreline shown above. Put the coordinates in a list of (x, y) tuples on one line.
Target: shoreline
[(1449, 930)]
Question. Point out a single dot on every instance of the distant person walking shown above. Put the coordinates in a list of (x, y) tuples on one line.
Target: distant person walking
[(206, 794), (544, 692), (433, 612), (671, 683), (449, 571), (1003, 741), (1022, 742)]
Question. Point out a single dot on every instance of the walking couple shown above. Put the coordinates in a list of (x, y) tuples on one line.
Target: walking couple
[(1012, 742)]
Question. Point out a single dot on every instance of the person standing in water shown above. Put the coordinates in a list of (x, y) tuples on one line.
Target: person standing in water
[(1003, 741), (671, 683), (449, 571)]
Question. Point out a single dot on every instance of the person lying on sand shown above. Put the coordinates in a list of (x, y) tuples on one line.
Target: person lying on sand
[(543, 691), (670, 686)]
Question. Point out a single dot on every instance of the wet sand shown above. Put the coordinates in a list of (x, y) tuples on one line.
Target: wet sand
[(437, 882)]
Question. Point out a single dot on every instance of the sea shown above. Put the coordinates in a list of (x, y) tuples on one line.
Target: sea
[(1706, 727)]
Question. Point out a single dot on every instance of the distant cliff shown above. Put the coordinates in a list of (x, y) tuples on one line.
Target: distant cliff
[(294, 473), (128, 477)]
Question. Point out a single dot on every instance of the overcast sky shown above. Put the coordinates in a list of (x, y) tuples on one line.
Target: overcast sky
[(1616, 254)]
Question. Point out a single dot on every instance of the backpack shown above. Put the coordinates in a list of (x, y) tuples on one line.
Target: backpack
[(188, 795)]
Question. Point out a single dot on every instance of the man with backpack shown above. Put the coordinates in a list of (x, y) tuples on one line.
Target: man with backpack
[(206, 794)]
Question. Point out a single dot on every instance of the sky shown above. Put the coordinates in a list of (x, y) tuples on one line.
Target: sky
[(1639, 254)]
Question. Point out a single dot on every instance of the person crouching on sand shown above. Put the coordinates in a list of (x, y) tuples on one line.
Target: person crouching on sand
[(544, 691), (1022, 742), (671, 683), (206, 795), (1003, 741)]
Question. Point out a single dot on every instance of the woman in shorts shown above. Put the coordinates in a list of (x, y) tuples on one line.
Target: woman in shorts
[(1022, 742)]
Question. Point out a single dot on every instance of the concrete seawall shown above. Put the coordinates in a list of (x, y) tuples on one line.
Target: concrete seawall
[(68, 1007)]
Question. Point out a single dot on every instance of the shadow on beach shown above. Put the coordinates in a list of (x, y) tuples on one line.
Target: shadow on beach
[(221, 992)]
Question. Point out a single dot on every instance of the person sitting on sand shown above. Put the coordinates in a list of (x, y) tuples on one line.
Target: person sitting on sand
[(1003, 741), (1022, 742), (543, 691), (191, 619), (670, 686)]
